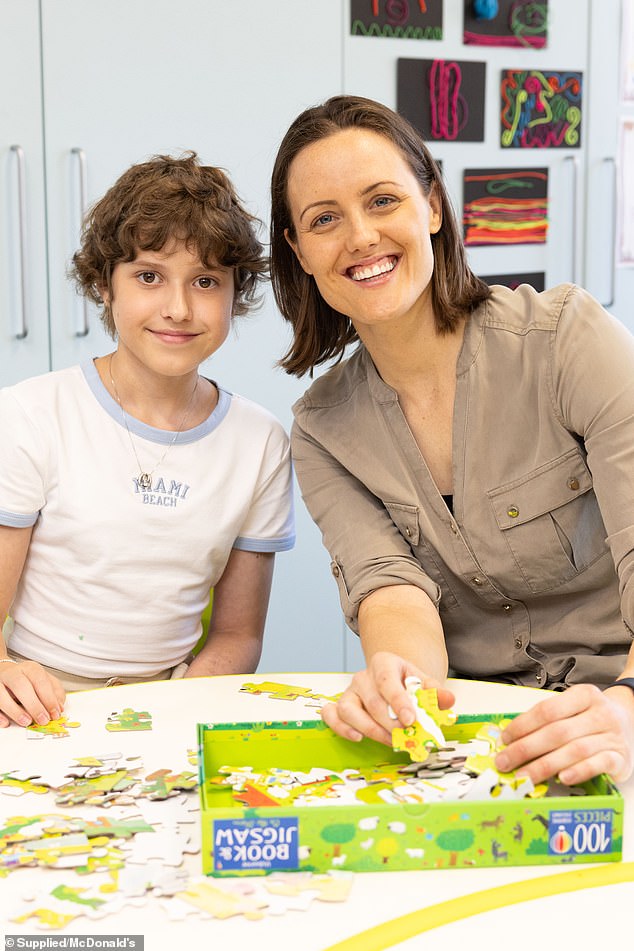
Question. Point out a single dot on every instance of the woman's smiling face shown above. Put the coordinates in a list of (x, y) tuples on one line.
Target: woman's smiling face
[(362, 227)]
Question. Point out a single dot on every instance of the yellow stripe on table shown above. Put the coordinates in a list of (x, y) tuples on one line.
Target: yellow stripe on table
[(426, 919)]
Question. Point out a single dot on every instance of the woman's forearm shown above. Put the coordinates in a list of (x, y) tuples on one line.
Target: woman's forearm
[(403, 620)]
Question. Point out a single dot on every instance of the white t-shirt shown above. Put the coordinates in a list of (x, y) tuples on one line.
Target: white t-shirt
[(116, 578)]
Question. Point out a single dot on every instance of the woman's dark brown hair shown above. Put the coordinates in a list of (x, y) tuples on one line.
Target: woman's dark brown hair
[(157, 202), (321, 333)]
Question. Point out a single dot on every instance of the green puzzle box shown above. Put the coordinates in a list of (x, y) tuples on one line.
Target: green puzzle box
[(258, 838)]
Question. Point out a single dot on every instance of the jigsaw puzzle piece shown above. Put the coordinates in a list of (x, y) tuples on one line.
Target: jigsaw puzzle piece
[(221, 901), (10, 785), (286, 692), (54, 728), (167, 844), (161, 784), (129, 720), (425, 733)]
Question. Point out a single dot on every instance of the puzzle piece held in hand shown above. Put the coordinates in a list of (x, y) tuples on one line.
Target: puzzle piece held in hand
[(491, 733), (427, 701), (413, 740), (425, 733)]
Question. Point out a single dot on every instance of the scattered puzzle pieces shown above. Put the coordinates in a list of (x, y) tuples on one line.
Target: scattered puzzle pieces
[(99, 790), (55, 909), (60, 841), (105, 780)]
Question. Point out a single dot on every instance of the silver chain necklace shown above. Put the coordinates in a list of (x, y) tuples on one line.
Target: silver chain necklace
[(145, 478)]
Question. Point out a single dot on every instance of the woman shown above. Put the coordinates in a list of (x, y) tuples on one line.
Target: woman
[(467, 462)]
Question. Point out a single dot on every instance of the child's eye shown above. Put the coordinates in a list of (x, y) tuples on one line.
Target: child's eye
[(148, 277), (206, 282)]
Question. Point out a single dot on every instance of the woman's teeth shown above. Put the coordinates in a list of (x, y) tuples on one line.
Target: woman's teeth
[(364, 273)]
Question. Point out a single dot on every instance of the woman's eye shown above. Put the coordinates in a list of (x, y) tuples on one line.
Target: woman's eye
[(325, 219), (206, 282), (383, 201), (148, 277)]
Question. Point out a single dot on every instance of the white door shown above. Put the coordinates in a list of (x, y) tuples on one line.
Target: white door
[(24, 342)]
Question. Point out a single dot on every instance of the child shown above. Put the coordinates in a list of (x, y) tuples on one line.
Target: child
[(131, 485)]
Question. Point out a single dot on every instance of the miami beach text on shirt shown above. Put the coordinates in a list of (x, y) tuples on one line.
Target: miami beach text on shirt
[(160, 494)]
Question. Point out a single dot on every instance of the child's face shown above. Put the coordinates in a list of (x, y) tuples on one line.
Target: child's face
[(171, 312)]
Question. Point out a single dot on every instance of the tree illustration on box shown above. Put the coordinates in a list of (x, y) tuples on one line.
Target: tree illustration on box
[(538, 847), (338, 834), (454, 841), (387, 848)]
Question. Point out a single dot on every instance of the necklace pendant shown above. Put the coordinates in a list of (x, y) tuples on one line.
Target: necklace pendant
[(145, 478)]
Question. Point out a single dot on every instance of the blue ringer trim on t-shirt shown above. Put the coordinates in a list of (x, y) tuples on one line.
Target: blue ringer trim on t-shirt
[(162, 436), (17, 521), (265, 544)]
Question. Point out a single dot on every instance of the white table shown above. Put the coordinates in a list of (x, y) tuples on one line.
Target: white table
[(580, 919)]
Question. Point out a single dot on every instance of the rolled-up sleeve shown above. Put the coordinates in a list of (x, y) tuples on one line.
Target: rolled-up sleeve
[(366, 548)]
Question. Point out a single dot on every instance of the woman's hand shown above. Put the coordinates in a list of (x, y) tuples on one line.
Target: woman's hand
[(574, 735), (28, 694), (362, 709)]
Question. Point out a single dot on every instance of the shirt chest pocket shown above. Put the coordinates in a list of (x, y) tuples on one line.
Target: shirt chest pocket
[(551, 522)]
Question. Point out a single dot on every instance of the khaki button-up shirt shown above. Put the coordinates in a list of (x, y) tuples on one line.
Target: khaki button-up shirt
[(532, 572)]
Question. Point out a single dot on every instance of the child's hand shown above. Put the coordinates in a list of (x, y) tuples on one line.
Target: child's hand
[(363, 708), (28, 694)]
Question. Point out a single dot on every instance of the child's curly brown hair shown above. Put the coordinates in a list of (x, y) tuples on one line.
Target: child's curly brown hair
[(159, 201)]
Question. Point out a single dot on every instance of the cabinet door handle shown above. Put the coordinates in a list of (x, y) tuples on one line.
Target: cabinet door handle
[(18, 151), (574, 217), (82, 191), (610, 163)]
